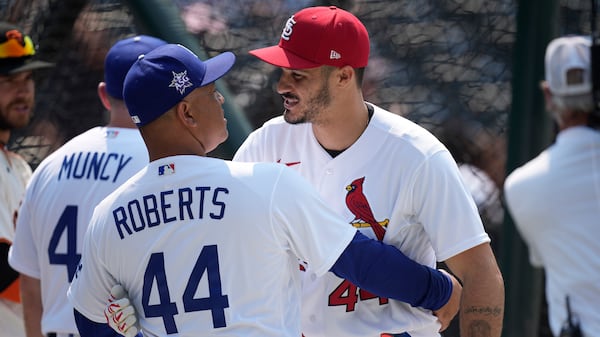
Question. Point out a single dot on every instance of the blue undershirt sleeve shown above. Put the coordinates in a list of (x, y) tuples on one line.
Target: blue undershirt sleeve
[(385, 271)]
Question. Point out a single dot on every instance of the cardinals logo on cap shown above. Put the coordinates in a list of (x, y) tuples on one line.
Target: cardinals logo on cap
[(359, 206), (288, 29)]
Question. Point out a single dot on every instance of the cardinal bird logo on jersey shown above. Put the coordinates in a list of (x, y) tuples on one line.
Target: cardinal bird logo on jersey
[(359, 206)]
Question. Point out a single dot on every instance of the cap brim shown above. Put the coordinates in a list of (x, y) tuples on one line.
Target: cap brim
[(217, 67), (280, 57), (33, 65)]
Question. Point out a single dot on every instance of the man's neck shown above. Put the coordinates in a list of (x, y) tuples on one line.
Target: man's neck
[(571, 119), (341, 131)]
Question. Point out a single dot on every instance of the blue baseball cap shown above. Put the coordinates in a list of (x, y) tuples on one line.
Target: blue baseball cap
[(121, 56), (160, 79)]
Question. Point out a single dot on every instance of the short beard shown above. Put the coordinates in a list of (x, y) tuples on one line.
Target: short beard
[(6, 124), (314, 106)]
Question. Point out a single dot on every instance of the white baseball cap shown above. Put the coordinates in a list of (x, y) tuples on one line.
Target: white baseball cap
[(563, 55)]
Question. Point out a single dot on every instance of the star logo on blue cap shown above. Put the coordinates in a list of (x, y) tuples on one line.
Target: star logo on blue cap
[(180, 81)]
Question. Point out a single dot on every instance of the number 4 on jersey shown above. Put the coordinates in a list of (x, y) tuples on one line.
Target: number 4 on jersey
[(348, 294), (67, 224), (216, 302)]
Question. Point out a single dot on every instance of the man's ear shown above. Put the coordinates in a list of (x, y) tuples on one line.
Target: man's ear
[(184, 114), (547, 96), (103, 95), (346, 75)]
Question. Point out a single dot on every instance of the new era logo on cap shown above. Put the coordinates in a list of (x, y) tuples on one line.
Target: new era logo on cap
[(334, 55)]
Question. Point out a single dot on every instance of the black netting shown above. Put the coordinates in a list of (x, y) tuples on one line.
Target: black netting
[(75, 35)]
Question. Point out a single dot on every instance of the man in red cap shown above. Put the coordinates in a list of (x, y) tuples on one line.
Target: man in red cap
[(390, 178), (17, 98)]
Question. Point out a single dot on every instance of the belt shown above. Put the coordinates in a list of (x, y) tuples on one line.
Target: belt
[(404, 334), (54, 334)]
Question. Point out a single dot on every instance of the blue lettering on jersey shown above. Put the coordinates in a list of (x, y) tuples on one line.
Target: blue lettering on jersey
[(93, 165), (167, 206)]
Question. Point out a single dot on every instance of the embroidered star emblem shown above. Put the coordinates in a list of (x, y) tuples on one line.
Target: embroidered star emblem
[(180, 81)]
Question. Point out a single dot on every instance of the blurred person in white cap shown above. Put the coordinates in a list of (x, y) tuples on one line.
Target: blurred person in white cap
[(385, 175), (18, 61), (209, 247), (554, 199), (63, 192)]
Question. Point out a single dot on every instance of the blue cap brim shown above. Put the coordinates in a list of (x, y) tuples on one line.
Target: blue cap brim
[(217, 67)]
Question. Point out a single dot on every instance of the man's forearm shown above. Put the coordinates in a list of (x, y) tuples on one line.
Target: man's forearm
[(31, 297), (482, 304), (482, 309)]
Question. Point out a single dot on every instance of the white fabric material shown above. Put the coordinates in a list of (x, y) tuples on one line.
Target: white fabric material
[(410, 182), (260, 219), (14, 174), (11, 320), (564, 54), (555, 202), (62, 193)]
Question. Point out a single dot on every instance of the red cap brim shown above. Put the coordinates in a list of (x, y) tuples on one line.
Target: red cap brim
[(280, 57)]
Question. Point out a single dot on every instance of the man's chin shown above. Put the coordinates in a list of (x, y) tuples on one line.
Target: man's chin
[(291, 119), (20, 124)]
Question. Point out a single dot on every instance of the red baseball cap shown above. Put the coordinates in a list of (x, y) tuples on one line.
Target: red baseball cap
[(317, 36)]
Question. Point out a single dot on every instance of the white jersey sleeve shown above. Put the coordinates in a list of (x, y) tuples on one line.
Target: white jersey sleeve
[(312, 230), (445, 208)]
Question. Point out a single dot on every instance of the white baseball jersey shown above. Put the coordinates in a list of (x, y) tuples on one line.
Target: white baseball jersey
[(555, 202), (58, 205), (14, 174), (207, 247), (396, 177)]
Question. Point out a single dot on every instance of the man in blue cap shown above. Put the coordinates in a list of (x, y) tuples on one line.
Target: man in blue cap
[(63, 192)]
